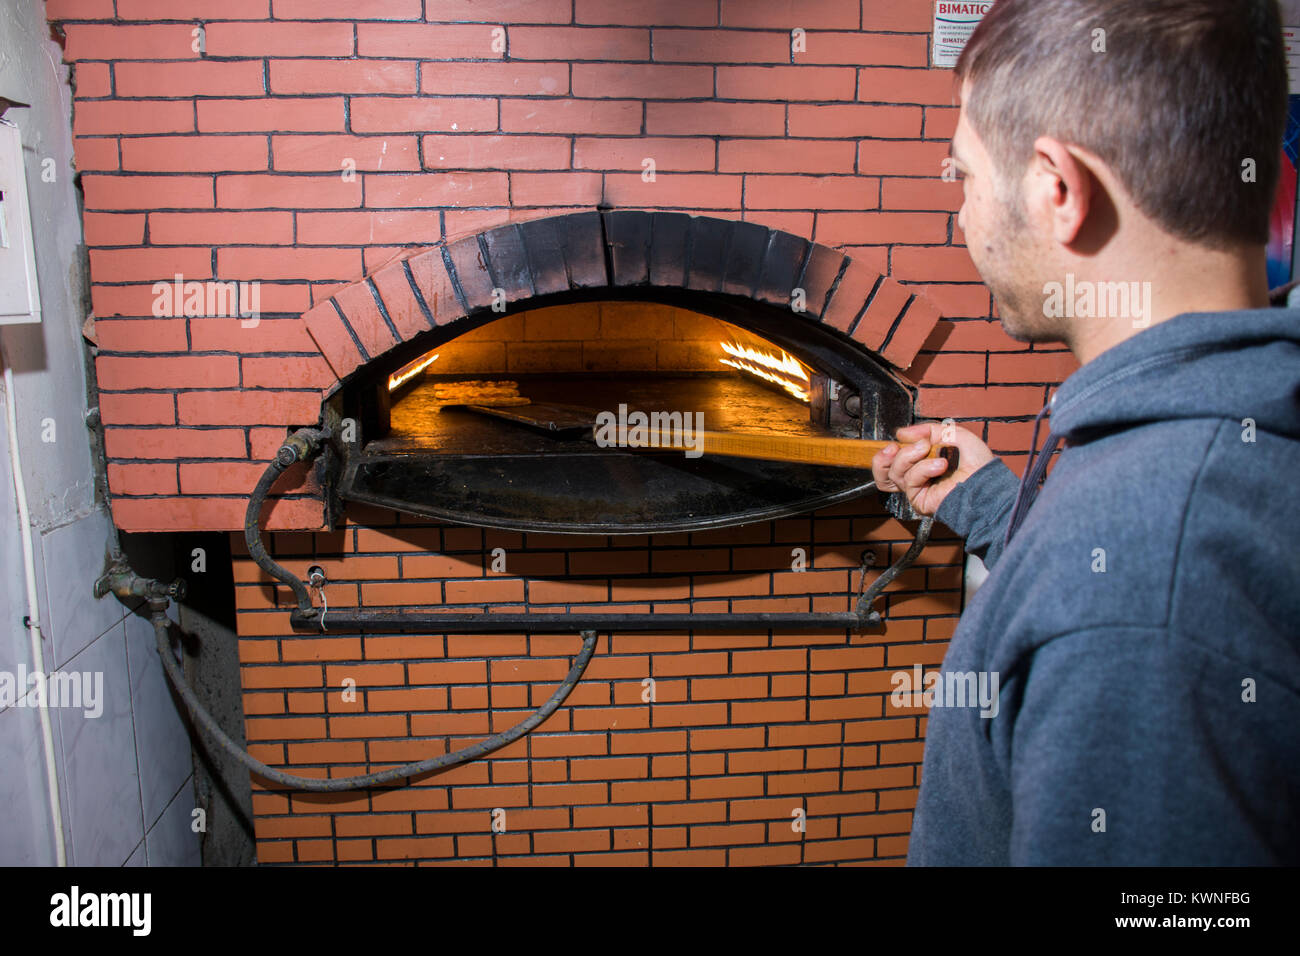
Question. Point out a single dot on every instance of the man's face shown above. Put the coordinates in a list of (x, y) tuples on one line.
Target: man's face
[(1010, 257)]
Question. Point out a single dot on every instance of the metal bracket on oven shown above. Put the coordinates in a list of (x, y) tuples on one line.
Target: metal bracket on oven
[(867, 597)]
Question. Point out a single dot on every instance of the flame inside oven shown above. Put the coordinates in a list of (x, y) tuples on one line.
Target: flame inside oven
[(410, 370), (779, 368)]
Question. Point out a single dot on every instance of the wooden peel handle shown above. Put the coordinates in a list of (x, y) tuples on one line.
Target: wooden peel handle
[(837, 452), (948, 453)]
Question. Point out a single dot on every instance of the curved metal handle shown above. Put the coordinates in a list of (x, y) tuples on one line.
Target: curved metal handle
[(302, 445), (868, 597)]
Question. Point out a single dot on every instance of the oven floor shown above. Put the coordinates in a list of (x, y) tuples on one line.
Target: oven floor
[(420, 425)]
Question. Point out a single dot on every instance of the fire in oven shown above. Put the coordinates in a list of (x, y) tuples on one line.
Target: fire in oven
[(622, 416)]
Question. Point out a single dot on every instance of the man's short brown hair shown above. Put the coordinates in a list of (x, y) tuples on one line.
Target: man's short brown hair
[(1186, 94)]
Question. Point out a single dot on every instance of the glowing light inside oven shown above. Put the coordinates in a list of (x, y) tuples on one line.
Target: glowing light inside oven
[(408, 372), (780, 368)]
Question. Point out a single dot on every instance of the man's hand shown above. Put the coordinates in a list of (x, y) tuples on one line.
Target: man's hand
[(906, 469)]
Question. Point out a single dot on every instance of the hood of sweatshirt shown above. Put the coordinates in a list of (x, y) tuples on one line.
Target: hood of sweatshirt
[(1231, 365)]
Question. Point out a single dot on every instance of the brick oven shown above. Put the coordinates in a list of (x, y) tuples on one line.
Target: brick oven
[(565, 198)]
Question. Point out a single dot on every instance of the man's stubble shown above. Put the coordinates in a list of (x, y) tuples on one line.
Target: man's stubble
[(1011, 265)]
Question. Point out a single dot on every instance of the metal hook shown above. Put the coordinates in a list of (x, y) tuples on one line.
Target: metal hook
[(316, 578), (869, 616)]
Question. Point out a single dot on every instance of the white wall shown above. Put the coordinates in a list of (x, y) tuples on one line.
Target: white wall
[(126, 776)]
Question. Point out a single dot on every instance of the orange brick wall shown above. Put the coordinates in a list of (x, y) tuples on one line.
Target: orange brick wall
[(227, 164), (744, 729)]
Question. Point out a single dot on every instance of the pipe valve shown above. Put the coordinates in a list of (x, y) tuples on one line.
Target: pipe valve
[(302, 445), (125, 583)]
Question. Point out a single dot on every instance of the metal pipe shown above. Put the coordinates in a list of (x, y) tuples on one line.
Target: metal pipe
[(380, 621), (33, 619), (158, 607), (305, 443), (302, 445)]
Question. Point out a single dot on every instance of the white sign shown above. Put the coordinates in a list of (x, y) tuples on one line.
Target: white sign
[(954, 22)]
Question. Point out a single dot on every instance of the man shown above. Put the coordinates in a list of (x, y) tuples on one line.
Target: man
[(1142, 618)]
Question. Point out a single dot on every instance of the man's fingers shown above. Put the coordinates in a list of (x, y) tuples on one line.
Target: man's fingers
[(902, 465), (880, 467), (907, 456), (911, 433), (921, 475)]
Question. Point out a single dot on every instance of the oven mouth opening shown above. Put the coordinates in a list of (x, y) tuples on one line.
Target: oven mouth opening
[(568, 417)]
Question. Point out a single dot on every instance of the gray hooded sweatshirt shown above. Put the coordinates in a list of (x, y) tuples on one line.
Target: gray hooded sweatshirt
[(1143, 621)]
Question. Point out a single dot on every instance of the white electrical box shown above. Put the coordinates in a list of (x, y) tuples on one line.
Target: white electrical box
[(20, 299)]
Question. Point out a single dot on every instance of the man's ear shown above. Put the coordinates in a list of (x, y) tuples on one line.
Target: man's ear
[(1059, 186)]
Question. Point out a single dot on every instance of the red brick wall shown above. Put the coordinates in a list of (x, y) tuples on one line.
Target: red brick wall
[(227, 165), (744, 729)]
